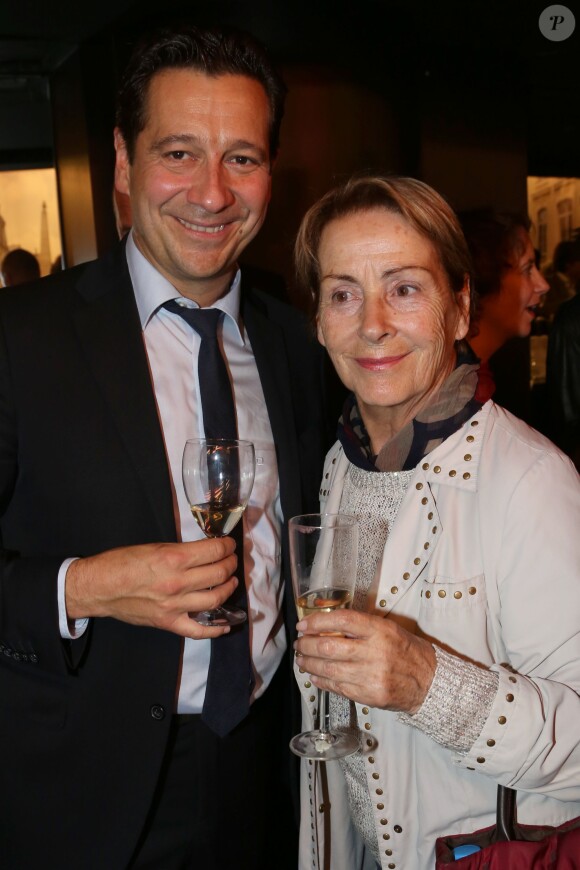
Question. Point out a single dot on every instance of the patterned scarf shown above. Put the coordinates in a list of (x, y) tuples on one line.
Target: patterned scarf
[(457, 400)]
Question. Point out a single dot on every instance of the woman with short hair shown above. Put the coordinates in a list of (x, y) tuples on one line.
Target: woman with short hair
[(459, 664)]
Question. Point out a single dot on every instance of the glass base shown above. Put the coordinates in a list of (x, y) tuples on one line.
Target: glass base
[(221, 616), (324, 746)]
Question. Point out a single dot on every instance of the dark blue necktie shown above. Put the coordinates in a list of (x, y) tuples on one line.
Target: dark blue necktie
[(230, 680)]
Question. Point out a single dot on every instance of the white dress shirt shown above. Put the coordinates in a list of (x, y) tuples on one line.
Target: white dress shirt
[(172, 348)]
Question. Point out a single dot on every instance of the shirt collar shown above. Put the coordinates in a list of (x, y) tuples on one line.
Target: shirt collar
[(152, 290)]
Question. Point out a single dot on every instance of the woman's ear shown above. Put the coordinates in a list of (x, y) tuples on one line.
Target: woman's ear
[(319, 333), (463, 302)]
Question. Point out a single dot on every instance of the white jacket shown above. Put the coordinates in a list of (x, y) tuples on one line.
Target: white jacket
[(484, 558)]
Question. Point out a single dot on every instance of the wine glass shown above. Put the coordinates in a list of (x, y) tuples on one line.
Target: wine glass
[(218, 476), (323, 560)]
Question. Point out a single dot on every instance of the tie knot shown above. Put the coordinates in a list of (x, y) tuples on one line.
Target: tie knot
[(203, 320)]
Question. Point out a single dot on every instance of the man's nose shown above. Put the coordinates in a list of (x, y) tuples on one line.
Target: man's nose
[(210, 188)]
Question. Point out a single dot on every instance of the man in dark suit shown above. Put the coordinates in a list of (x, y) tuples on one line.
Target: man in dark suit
[(107, 761)]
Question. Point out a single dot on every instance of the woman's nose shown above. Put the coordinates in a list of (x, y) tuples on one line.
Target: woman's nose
[(541, 286), (376, 320)]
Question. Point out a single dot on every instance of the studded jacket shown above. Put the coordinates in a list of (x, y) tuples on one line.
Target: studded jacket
[(484, 559)]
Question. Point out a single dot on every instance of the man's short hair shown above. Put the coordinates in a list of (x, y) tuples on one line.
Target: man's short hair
[(19, 267), (566, 253), (211, 51)]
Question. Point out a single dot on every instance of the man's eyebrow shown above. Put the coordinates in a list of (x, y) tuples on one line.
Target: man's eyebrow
[(174, 139), (189, 139)]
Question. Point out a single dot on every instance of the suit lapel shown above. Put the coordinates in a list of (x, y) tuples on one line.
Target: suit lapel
[(268, 346), (111, 339)]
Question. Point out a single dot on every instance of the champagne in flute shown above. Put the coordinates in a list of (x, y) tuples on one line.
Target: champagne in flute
[(326, 599), (323, 560)]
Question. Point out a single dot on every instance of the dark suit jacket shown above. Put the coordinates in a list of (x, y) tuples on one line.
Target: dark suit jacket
[(84, 724)]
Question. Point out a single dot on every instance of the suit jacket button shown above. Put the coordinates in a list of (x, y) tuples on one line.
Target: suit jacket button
[(158, 712)]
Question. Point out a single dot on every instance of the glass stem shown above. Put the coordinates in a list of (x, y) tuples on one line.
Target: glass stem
[(324, 714)]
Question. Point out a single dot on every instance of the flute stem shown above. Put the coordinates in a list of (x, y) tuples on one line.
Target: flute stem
[(324, 714)]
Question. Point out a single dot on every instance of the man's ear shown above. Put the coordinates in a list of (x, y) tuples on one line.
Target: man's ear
[(122, 163)]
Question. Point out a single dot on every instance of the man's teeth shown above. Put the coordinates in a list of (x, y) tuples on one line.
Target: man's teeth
[(200, 229)]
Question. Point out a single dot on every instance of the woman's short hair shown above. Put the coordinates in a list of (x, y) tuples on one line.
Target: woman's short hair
[(493, 238), (421, 206), (212, 51)]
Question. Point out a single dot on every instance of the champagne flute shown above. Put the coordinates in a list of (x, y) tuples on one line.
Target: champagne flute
[(323, 560), (218, 476)]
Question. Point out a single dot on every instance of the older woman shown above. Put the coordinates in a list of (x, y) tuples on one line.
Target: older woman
[(459, 666)]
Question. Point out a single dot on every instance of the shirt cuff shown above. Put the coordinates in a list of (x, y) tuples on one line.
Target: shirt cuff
[(70, 629), (457, 704)]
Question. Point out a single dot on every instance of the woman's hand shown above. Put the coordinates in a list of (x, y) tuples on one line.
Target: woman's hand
[(366, 658)]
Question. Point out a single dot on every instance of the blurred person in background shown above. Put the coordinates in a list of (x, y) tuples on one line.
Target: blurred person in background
[(509, 290), (563, 379), (19, 267), (563, 276)]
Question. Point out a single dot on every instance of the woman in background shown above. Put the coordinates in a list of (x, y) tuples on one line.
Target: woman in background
[(509, 290)]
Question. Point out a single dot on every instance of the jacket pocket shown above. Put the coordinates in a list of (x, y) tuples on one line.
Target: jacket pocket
[(32, 698), (454, 612)]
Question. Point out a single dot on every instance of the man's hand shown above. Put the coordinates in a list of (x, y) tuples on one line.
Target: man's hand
[(366, 658), (155, 584)]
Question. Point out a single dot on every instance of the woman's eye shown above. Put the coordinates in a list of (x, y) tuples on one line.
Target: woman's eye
[(340, 296), (405, 290)]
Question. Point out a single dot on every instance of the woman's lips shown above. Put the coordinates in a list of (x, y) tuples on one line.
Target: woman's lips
[(379, 364)]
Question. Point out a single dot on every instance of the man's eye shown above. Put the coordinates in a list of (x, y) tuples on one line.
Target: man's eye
[(177, 155), (242, 160)]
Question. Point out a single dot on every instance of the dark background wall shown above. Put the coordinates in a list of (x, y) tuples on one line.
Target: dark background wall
[(468, 96)]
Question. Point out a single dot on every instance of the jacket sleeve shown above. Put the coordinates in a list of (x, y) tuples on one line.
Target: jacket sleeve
[(29, 629), (531, 739)]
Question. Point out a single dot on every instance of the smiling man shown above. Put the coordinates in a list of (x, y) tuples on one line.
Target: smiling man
[(111, 686), (199, 176)]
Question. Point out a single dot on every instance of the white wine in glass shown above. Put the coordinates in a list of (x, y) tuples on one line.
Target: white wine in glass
[(326, 599), (218, 476), (323, 561)]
